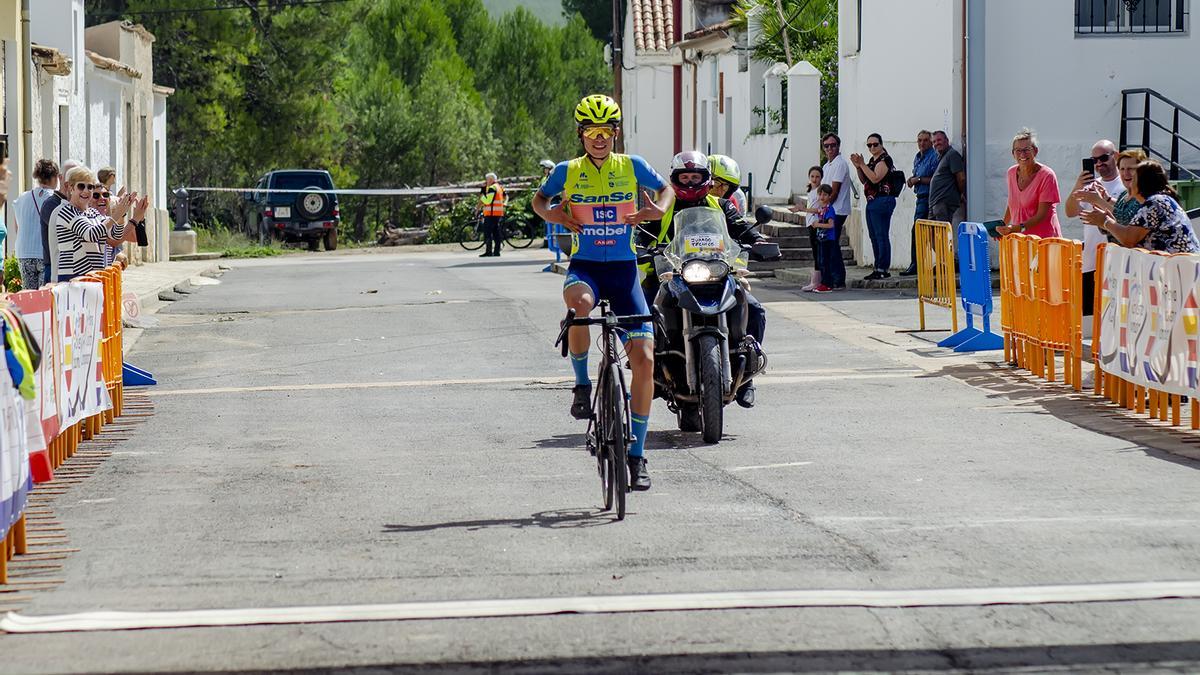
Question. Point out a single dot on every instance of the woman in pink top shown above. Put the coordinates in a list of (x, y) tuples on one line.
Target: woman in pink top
[(1032, 192)]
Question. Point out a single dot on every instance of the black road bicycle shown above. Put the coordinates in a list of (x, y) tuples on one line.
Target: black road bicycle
[(609, 432), (516, 232)]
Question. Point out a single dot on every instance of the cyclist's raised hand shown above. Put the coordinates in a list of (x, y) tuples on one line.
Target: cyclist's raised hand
[(647, 213), (562, 215)]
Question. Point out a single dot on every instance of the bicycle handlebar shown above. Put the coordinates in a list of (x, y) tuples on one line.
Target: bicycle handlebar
[(604, 319)]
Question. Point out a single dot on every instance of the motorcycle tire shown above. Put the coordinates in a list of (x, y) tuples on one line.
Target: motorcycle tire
[(712, 399), (688, 418)]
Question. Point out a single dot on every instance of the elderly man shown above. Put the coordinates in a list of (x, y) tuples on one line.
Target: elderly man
[(492, 201), (925, 162), (1104, 154), (948, 186)]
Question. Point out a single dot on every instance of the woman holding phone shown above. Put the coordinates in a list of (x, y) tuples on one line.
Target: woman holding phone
[(1032, 192)]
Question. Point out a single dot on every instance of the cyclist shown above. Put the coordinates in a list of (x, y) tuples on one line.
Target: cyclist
[(600, 191), (693, 183), (727, 180)]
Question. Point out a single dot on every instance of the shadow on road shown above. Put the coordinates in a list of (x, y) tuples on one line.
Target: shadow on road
[(1172, 656), (559, 442), (1030, 394), (565, 519), (524, 262)]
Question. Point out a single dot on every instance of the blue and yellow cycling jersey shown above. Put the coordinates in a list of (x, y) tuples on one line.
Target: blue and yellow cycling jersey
[(600, 198)]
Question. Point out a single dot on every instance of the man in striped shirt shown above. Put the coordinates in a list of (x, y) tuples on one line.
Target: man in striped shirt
[(82, 236)]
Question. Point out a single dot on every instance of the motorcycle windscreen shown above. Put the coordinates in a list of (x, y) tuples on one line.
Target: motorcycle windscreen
[(701, 233)]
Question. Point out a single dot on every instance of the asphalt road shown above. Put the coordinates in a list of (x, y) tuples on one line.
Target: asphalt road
[(366, 429)]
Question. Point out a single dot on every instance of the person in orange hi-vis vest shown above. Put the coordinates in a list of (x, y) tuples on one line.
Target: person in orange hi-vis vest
[(492, 201)]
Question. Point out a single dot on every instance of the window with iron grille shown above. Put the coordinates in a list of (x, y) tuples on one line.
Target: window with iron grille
[(1131, 17)]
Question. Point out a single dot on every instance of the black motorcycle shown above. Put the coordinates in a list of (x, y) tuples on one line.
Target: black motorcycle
[(702, 351)]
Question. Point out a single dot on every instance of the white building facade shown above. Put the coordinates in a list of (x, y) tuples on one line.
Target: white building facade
[(983, 70), (691, 84)]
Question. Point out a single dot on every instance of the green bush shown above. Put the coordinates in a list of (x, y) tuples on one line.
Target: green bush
[(12, 275), (442, 231)]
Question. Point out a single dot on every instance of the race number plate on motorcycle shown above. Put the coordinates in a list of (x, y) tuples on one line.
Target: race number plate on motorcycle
[(703, 243)]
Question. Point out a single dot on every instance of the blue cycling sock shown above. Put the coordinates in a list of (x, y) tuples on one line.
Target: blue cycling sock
[(579, 363), (640, 422)]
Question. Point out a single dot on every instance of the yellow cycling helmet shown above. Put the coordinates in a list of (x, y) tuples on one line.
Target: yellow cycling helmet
[(598, 109), (724, 168)]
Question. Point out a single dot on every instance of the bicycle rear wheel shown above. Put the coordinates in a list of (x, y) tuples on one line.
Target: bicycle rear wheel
[(617, 440), (470, 235), (521, 234)]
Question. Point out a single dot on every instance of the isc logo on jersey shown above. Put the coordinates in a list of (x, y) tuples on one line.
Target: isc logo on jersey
[(617, 196)]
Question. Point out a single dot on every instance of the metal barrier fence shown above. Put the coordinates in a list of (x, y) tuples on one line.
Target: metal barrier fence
[(935, 268)]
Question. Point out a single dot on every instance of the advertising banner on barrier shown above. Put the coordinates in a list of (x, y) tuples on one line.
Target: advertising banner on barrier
[(14, 457), (1149, 330), (37, 308), (78, 307)]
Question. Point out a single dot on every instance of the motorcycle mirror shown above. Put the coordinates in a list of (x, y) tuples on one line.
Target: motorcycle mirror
[(765, 251), (763, 215)]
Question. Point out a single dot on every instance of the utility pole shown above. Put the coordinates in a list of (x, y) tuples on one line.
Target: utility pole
[(618, 62)]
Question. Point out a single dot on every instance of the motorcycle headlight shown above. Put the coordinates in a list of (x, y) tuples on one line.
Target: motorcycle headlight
[(697, 272), (704, 271)]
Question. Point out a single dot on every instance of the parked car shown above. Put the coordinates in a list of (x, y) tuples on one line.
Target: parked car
[(309, 217)]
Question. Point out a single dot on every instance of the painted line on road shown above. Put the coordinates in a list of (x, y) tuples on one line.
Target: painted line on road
[(772, 377), (15, 622), (767, 466)]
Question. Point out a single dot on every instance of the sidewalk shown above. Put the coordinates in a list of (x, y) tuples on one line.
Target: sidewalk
[(146, 282)]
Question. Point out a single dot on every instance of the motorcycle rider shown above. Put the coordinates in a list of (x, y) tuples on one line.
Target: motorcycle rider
[(692, 180), (727, 180), (600, 191)]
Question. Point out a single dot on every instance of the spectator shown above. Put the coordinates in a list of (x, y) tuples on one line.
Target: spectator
[(1122, 208), (881, 202), (826, 226), (1104, 153), (50, 234), (108, 181), (547, 167), (811, 211), (80, 237), (1160, 224), (727, 181), (836, 174), (948, 187), (492, 201), (1032, 192), (925, 163), (29, 224), (107, 177)]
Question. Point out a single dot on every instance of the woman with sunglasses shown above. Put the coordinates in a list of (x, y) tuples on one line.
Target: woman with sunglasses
[(600, 207), (82, 233), (881, 203)]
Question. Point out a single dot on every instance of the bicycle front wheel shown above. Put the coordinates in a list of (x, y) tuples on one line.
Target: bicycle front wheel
[(470, 236), (521, 234), (616, 436)]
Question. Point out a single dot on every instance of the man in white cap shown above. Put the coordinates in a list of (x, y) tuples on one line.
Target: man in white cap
[(492, 201)]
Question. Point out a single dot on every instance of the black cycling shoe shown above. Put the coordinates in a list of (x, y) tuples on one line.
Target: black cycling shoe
[(745, 395), (581, 407), (639, 477)]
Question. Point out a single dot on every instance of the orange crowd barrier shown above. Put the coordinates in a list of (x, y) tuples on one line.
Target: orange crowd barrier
[(66, 443), (1041, 305)]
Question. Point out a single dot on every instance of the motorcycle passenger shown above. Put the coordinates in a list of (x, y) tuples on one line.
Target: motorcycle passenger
[(600, 191), (727, 180), (693, 183)]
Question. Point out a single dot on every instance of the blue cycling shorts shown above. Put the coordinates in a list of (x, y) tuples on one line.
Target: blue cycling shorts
[(617, 282)]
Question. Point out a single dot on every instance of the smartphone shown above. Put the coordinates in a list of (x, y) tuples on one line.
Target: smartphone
[(1089, 165)]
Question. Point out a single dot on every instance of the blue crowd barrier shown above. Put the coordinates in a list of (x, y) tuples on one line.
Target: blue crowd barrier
[(975, 281), (553, 230)]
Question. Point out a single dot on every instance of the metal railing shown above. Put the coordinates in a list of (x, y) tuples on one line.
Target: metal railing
[(778, 160), (1131, 17), (1149, 126)]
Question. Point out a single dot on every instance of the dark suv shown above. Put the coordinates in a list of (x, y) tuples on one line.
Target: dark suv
[(310, 217)]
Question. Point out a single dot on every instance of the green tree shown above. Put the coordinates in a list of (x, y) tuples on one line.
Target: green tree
[(596, 13), (807, 30)]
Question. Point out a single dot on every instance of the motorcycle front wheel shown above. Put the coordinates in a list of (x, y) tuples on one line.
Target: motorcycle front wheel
[(712, 403)]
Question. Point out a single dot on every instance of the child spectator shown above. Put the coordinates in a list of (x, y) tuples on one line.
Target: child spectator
[(826, 228)]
